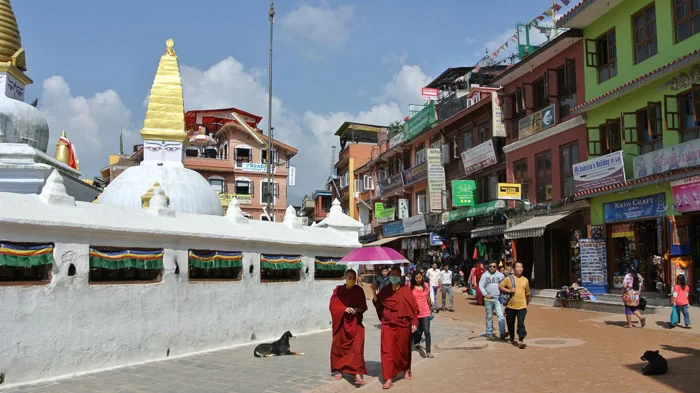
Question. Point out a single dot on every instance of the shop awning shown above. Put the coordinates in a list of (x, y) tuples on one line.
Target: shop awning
[(533, 227), (383, 241), (492, 230)]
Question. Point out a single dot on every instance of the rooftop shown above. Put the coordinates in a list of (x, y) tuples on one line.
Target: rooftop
[(359, 132), (586, 12)]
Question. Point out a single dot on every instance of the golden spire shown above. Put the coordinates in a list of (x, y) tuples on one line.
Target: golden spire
[(165, 118), (62, 149), (12, 58)]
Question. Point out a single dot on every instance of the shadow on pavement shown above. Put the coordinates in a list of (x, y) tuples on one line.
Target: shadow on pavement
[(663, 324), (683, 350), (621, 323), (682, 373), (374, 368)]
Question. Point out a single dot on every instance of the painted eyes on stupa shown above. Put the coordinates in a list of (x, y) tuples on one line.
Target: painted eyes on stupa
[(154, 148), (171, 148)]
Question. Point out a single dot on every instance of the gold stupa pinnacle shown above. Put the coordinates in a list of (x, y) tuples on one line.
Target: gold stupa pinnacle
[(165, 117), (12, 58)]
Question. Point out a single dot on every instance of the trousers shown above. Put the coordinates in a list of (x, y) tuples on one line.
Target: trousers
[(511, 315)]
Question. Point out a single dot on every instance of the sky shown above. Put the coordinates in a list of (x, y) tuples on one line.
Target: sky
[(93, 64)]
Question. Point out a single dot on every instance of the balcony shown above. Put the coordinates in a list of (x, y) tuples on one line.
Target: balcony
[(391, 184), (415, 174)]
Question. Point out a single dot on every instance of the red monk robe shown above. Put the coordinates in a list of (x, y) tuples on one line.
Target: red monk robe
[(348, 346), (398, 311)]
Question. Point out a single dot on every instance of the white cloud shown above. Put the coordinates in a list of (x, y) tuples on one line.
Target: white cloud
[(93, 124), (394, 58), (318, 29)]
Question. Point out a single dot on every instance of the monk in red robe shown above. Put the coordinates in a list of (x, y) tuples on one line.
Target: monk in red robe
[(480, 270), (398, 312), (348, 302)]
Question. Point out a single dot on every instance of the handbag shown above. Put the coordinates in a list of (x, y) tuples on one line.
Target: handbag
[(631, 298), (642, 303), (505, 297), (674, 317)]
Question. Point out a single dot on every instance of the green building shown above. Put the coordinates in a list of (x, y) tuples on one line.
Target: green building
[(642, 83)]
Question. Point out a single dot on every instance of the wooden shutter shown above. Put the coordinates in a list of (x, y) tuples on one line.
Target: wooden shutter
[(671, 118), (628, 123), (591, 53), (251, 188), (552, 83), (612, 135), (695, 89), (519, 100), (569, 75), (594, 141), (235, 154), (527, 96), (653, 120), (508, 107)]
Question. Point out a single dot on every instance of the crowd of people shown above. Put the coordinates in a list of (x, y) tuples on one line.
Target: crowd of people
[(405, 299)]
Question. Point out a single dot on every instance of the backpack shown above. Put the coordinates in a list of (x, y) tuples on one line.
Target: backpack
[(505, 297)]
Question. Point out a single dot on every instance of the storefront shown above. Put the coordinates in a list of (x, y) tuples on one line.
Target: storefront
[(474, 225), (685, 230)]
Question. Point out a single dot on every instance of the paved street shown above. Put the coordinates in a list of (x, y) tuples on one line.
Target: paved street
[(569, 351)]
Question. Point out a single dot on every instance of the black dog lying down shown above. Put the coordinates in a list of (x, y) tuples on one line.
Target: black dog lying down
[(657, 364), (277, 348)]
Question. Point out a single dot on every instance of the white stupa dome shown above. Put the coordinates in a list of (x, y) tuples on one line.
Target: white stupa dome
[(22, 123), (187, 190)]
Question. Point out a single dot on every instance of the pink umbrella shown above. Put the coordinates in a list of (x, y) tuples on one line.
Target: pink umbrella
[(373, 256)]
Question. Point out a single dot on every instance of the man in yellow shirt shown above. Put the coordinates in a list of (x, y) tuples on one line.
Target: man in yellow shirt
[(516, 307)]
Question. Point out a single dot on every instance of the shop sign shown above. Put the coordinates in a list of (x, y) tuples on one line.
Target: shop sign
[(686, 194), (378, 209), (436, 179), (429, 93), (635, 208), (243, 199), (414, 224), (476, 210), (420, 121), (682, 155), (396, 140), (463, 192), (415, 174), (388, 215), (253, 167), (498, 125), (436, 240), (536, 122), (403, 209), (599, 172), (479, 157), (509, 191), (393, 229), (392, 183), (594, 264)]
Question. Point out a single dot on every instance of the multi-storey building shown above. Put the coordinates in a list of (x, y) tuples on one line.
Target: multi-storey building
[(642, 107)]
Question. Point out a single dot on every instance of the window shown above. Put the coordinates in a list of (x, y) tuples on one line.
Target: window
[(604, 57), (435, 142), (689, 112), (569, 157), (484, 134), (110, 264), (275, 156), (610, 137), (326, 203), (223, 151), (368, 182), (406, 161), (644, 30), (649, 129), (686, 18), (269, 191), (243, 154), (218, 184), (420, 154), (520, 174), (566, 87), (468, 141), (519, 103), (25, 263), (357, 185), (539, 94), (420, 203), (280, 268), (543, 173), (244, 187), (215, 265)]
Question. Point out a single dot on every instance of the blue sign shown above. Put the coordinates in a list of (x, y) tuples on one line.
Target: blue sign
[(436, 240), (635, 208), (392, 228)]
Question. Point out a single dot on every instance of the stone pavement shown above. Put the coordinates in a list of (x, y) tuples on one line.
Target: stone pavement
[(235, 369)]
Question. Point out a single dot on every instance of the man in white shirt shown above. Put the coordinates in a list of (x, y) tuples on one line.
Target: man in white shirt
[(433, 275), (445, 278)]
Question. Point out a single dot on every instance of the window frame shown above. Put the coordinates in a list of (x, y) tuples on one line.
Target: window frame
[(648, 39), (567, 171), (605, 136), (520, 168), (251, 186), (239, 163), (609, 65), (693, 94), (218, 178), (275, 192), (685, 4), (546, 177), (536, 98)]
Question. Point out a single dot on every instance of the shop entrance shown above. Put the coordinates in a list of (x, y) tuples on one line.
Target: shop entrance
[(634, 246)]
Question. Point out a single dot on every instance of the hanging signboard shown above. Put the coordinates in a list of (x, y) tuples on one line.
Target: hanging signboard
[(463, 193), (599, 172), (396, 140), (509, 191), (686, 194), (498, 125), (536, 122), (429, 93), (479, 157), (594, 265), (415, 174), (292, 176), (420, 121), (682, 155), (392, 229), (635, 208), (436, 179), (403, 209)]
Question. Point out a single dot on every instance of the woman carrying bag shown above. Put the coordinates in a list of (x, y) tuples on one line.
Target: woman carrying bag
[(632, 287), (421, 292), (680, 302)]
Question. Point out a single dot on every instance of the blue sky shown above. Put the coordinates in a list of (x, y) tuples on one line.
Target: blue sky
[(93, 62)]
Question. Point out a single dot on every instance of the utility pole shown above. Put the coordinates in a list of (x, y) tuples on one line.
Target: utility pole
[(270, 145)]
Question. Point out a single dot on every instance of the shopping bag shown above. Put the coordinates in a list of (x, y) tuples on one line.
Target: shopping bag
[(674, 317)]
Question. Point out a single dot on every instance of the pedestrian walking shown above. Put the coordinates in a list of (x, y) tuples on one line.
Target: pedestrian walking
[(516, 307), (489, 286), (433, 275), (478, 272), (446, 280), (632, 286), (398, 312), (348, 303), (381, 281), (421, 292), (680, 299)]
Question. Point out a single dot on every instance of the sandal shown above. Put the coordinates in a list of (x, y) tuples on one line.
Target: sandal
[(388, 385), (360, 382), (644, 321), (338, 376)]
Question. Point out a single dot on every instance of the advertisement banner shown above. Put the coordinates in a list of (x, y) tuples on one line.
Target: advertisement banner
[(415, 174), (390, 184), (420, 121), (682, 155), (388, 215), (594, 265), (686, 194), (414, 224), (378, 209), (396, 140), (428, 92), (436, 240), (599, 172), (403, 209), (436, 179), (498, 125), (509, 191), (253, 167), (478, 210), (635, 208), (536, 122), (392, 229), (479, 157), (463, 192)]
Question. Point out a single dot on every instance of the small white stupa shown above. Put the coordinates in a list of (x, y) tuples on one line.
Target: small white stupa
[(164, 136)]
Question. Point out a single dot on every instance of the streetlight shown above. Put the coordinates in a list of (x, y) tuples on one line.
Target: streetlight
[(270, 146)]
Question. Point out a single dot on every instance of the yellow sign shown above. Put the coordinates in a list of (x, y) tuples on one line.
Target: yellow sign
[(509, 191)]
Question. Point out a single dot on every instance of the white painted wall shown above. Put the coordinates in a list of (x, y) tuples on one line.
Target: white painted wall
[(69, 325)]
